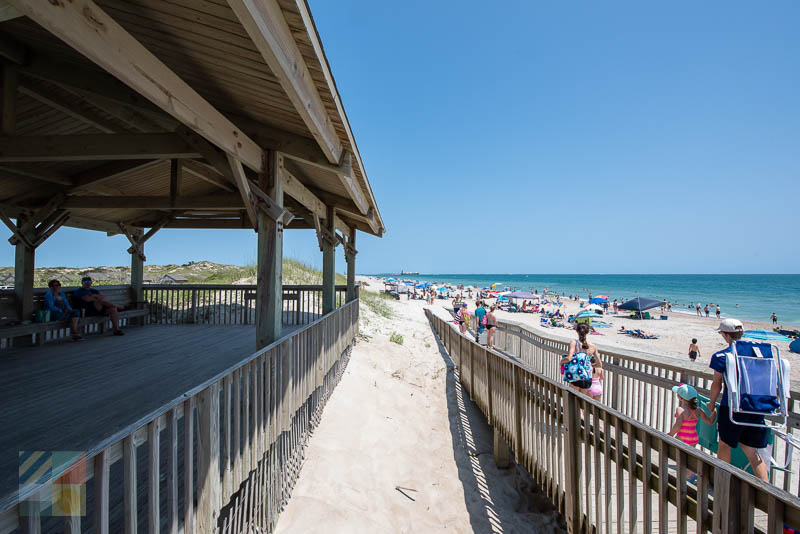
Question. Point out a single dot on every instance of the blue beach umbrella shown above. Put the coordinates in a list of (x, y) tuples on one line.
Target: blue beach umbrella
[(420, 286), (598, 300), (764, 335)]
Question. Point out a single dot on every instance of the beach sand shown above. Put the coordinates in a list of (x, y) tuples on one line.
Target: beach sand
[(398, 419)]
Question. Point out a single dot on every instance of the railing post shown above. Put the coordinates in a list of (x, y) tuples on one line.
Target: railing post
[(616, 385), (489, 402), (572, 466), (194, 306), (208, 477), (518, 413)]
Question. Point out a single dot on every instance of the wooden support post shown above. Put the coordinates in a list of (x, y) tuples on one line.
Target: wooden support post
[(137, 272), (500, 449), (23, 277), (208, 475), (350, 256), (269, 304), (329, 269), (572, 483)]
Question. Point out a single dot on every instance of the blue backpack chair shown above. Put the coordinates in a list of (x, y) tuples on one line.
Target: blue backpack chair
[(757, 381)]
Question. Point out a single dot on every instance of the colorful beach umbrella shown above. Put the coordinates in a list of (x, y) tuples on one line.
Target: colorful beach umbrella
[(598, 300), (495, 284), (764, 335)]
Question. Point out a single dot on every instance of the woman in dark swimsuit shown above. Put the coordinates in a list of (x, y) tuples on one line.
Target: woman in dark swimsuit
[(491, 327)]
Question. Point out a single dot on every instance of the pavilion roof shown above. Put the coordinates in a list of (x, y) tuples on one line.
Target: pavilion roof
[(119, 128)]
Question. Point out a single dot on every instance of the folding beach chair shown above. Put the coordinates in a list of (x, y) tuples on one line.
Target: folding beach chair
[(758, 383)]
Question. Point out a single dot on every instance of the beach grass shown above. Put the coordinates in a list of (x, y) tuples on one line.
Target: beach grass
[(396, 338), (377, 303)]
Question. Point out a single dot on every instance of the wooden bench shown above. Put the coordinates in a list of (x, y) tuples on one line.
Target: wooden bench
[(41, 332)]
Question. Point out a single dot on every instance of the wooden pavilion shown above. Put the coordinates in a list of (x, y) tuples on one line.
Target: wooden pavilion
[(129, 116)]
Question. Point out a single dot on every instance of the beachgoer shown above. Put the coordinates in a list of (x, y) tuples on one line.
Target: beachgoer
[(460, 313), (95, 303), (717, 311), (596, 391), (480, 321), (706, 310), (669, 306), (664, 305), (580, 360), (60, 310), (694, 350), (491, 327), (774, 318), (686, 416), (732, 435), (622, 329), (699, 313)]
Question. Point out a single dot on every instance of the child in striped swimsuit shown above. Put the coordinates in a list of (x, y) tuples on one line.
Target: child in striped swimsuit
[(686, 416)]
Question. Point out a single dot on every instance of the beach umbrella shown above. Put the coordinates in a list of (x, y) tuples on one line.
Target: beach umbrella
[(583, 314), (593, 307), (764, 335), (794, 346), (420, 286), (640, 304), (598, 300), (601, 297), (522, 295), (495, 284), (443, 290), (391, 279)]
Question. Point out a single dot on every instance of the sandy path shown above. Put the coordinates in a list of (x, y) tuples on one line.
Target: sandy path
[(398, 419)]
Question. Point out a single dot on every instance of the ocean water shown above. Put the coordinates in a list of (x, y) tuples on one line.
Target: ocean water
[(744, 296)]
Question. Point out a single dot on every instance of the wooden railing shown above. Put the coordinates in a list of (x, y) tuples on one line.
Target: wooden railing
[(637, 384), (231, 465), (604, 470), (230, 304)]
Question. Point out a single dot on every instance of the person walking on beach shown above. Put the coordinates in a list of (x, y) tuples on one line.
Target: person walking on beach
[(717, 311), (491, 327), (706, 310), (480, 321), (774, 318), (731, 435), (579, 362), (694, 350)]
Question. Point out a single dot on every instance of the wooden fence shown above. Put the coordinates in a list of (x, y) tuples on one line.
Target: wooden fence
[(230, 465), (230, 304), (638, 385), (604, 470)]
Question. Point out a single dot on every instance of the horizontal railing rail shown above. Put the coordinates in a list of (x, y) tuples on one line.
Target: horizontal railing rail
[(231, 463), (230, 304), (606, 471)]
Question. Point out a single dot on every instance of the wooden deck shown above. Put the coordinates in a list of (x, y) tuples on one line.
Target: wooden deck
[(43, 391)]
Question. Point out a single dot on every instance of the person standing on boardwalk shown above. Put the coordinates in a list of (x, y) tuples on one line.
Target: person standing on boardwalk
[(732, 435), (579, 362), (491, 327), (480, 321)]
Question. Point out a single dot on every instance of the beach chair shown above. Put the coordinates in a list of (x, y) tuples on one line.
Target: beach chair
[(758, 383)]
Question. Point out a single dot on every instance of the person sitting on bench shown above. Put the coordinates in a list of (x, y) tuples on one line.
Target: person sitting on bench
[(60, 310), (95, 303)]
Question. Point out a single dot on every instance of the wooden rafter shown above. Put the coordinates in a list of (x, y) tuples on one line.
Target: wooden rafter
[(206, 173), (207, 202), (265, 24), (69, 108), (243, 184), (295, 189), (89, 147), (87, 28), (38, 173)]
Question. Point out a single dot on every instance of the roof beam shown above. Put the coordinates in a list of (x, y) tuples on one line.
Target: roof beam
[(206, 173), (345, 174), (37, 173), (69, 108), (299, 192), (92, 32), (94, 147), (206, 202), (265, 24)]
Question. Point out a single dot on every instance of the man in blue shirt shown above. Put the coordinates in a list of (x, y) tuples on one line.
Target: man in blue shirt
[(480, 311), (731, 435), (95, 303)]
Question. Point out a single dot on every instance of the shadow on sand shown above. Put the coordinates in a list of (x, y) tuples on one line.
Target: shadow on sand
[(498, 500)]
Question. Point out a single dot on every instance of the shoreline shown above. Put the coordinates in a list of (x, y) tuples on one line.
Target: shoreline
[(675, 333)]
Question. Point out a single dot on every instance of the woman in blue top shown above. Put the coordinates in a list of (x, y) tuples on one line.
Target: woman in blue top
[(60, 310), (579, 362)]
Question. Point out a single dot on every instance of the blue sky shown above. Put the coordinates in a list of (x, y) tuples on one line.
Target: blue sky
[(547, 137)]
